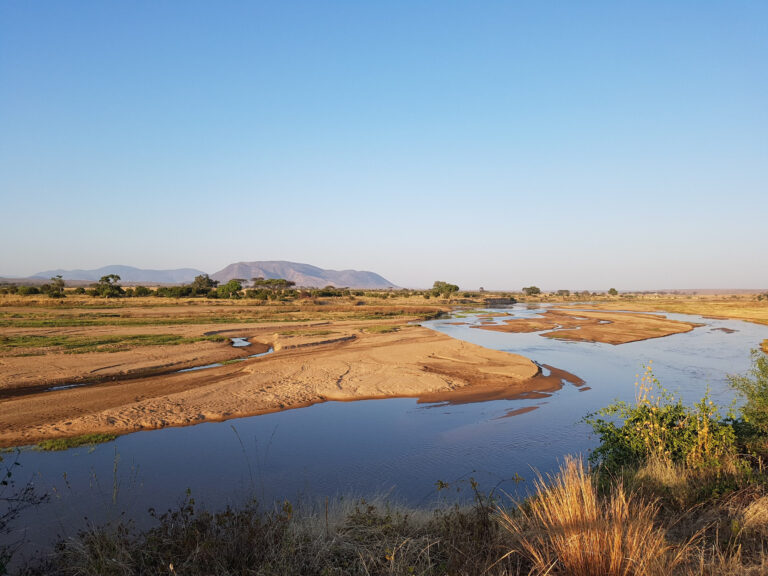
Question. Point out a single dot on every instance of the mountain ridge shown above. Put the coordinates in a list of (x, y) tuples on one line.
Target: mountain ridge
[(302, 274), (126, 273)]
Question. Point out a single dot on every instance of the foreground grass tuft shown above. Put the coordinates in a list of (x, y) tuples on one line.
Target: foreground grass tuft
[(568, 528)]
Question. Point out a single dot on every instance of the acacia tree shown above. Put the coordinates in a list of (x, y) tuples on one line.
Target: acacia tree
[(444, 289), (613, 292), (272, 284), (108, 286), (531, 290)]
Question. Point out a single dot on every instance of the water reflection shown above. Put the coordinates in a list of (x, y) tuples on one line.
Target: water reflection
[(400, 447)]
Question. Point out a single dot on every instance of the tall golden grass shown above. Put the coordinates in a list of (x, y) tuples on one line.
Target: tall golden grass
[(567, 528)]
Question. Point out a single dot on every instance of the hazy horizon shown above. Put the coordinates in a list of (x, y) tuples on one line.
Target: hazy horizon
[(575, 145)]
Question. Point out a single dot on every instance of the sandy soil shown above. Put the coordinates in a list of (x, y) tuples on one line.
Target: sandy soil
[(606, 327), (349, 364)]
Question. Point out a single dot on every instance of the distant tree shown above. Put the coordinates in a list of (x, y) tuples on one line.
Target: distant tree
[(27, 290), (229, 290), (56, 287), (613, 292), (203, 284), (531, 290), (108, 286), (564, 293), (79, 290), (274, 284), (140, 291), (444, 289)]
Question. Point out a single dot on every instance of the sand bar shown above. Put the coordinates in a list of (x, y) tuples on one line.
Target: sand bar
[(349, 364), (606, 327)]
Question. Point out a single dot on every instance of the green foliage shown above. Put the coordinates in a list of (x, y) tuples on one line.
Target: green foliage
[(273, 284), (564, 293), (183, 291), (82, 344), (444, 289), (658, 426), (141, 291), (262, 294), (27, 290), (108, 287), (59, 444), (202, 285), (55, 289), (613, 292), (229, 290), (531, 290), (79, 290), (753, 387)]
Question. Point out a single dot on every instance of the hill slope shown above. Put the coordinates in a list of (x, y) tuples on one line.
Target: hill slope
[(127, 274), (302, 274)]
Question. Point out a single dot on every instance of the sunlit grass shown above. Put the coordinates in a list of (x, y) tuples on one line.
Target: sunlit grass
[(59, 444), (26, 344)]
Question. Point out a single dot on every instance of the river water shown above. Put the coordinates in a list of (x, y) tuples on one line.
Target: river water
[(398, 447)]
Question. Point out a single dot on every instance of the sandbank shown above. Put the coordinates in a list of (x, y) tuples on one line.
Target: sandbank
[(605, 327), (349, 364)]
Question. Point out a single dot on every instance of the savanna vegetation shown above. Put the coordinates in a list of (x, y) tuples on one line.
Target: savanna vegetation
[(671, 489)]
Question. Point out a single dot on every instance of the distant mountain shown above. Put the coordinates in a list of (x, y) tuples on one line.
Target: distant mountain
[(127, 274), (302, 274)]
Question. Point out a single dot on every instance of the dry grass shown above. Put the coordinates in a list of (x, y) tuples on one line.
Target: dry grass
[(567, 528), (347, 537)]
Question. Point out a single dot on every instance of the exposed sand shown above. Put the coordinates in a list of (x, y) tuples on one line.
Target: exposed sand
[(349, 364), (606, 327)]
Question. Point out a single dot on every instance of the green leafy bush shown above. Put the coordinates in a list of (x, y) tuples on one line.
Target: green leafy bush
[(753, 387), (658, 426)]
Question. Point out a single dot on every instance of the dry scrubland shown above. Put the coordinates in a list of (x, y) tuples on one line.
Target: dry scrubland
[(687, 499)]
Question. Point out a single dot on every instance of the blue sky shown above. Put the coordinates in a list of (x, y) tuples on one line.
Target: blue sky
[(496, 144)]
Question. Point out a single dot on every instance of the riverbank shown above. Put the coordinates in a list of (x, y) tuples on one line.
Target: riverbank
[(79, 368), (349, 364)]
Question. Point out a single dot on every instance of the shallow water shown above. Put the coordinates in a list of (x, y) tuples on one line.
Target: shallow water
[(398, 447)]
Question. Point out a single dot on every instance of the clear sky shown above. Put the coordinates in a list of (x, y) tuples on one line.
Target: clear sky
[(569, 145)]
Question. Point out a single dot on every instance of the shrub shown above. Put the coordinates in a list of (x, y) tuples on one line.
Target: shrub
[(659, 426), (27, 290), (753, 388)]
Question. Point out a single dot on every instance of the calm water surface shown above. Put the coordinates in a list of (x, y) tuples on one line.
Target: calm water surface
[(395, 447)]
